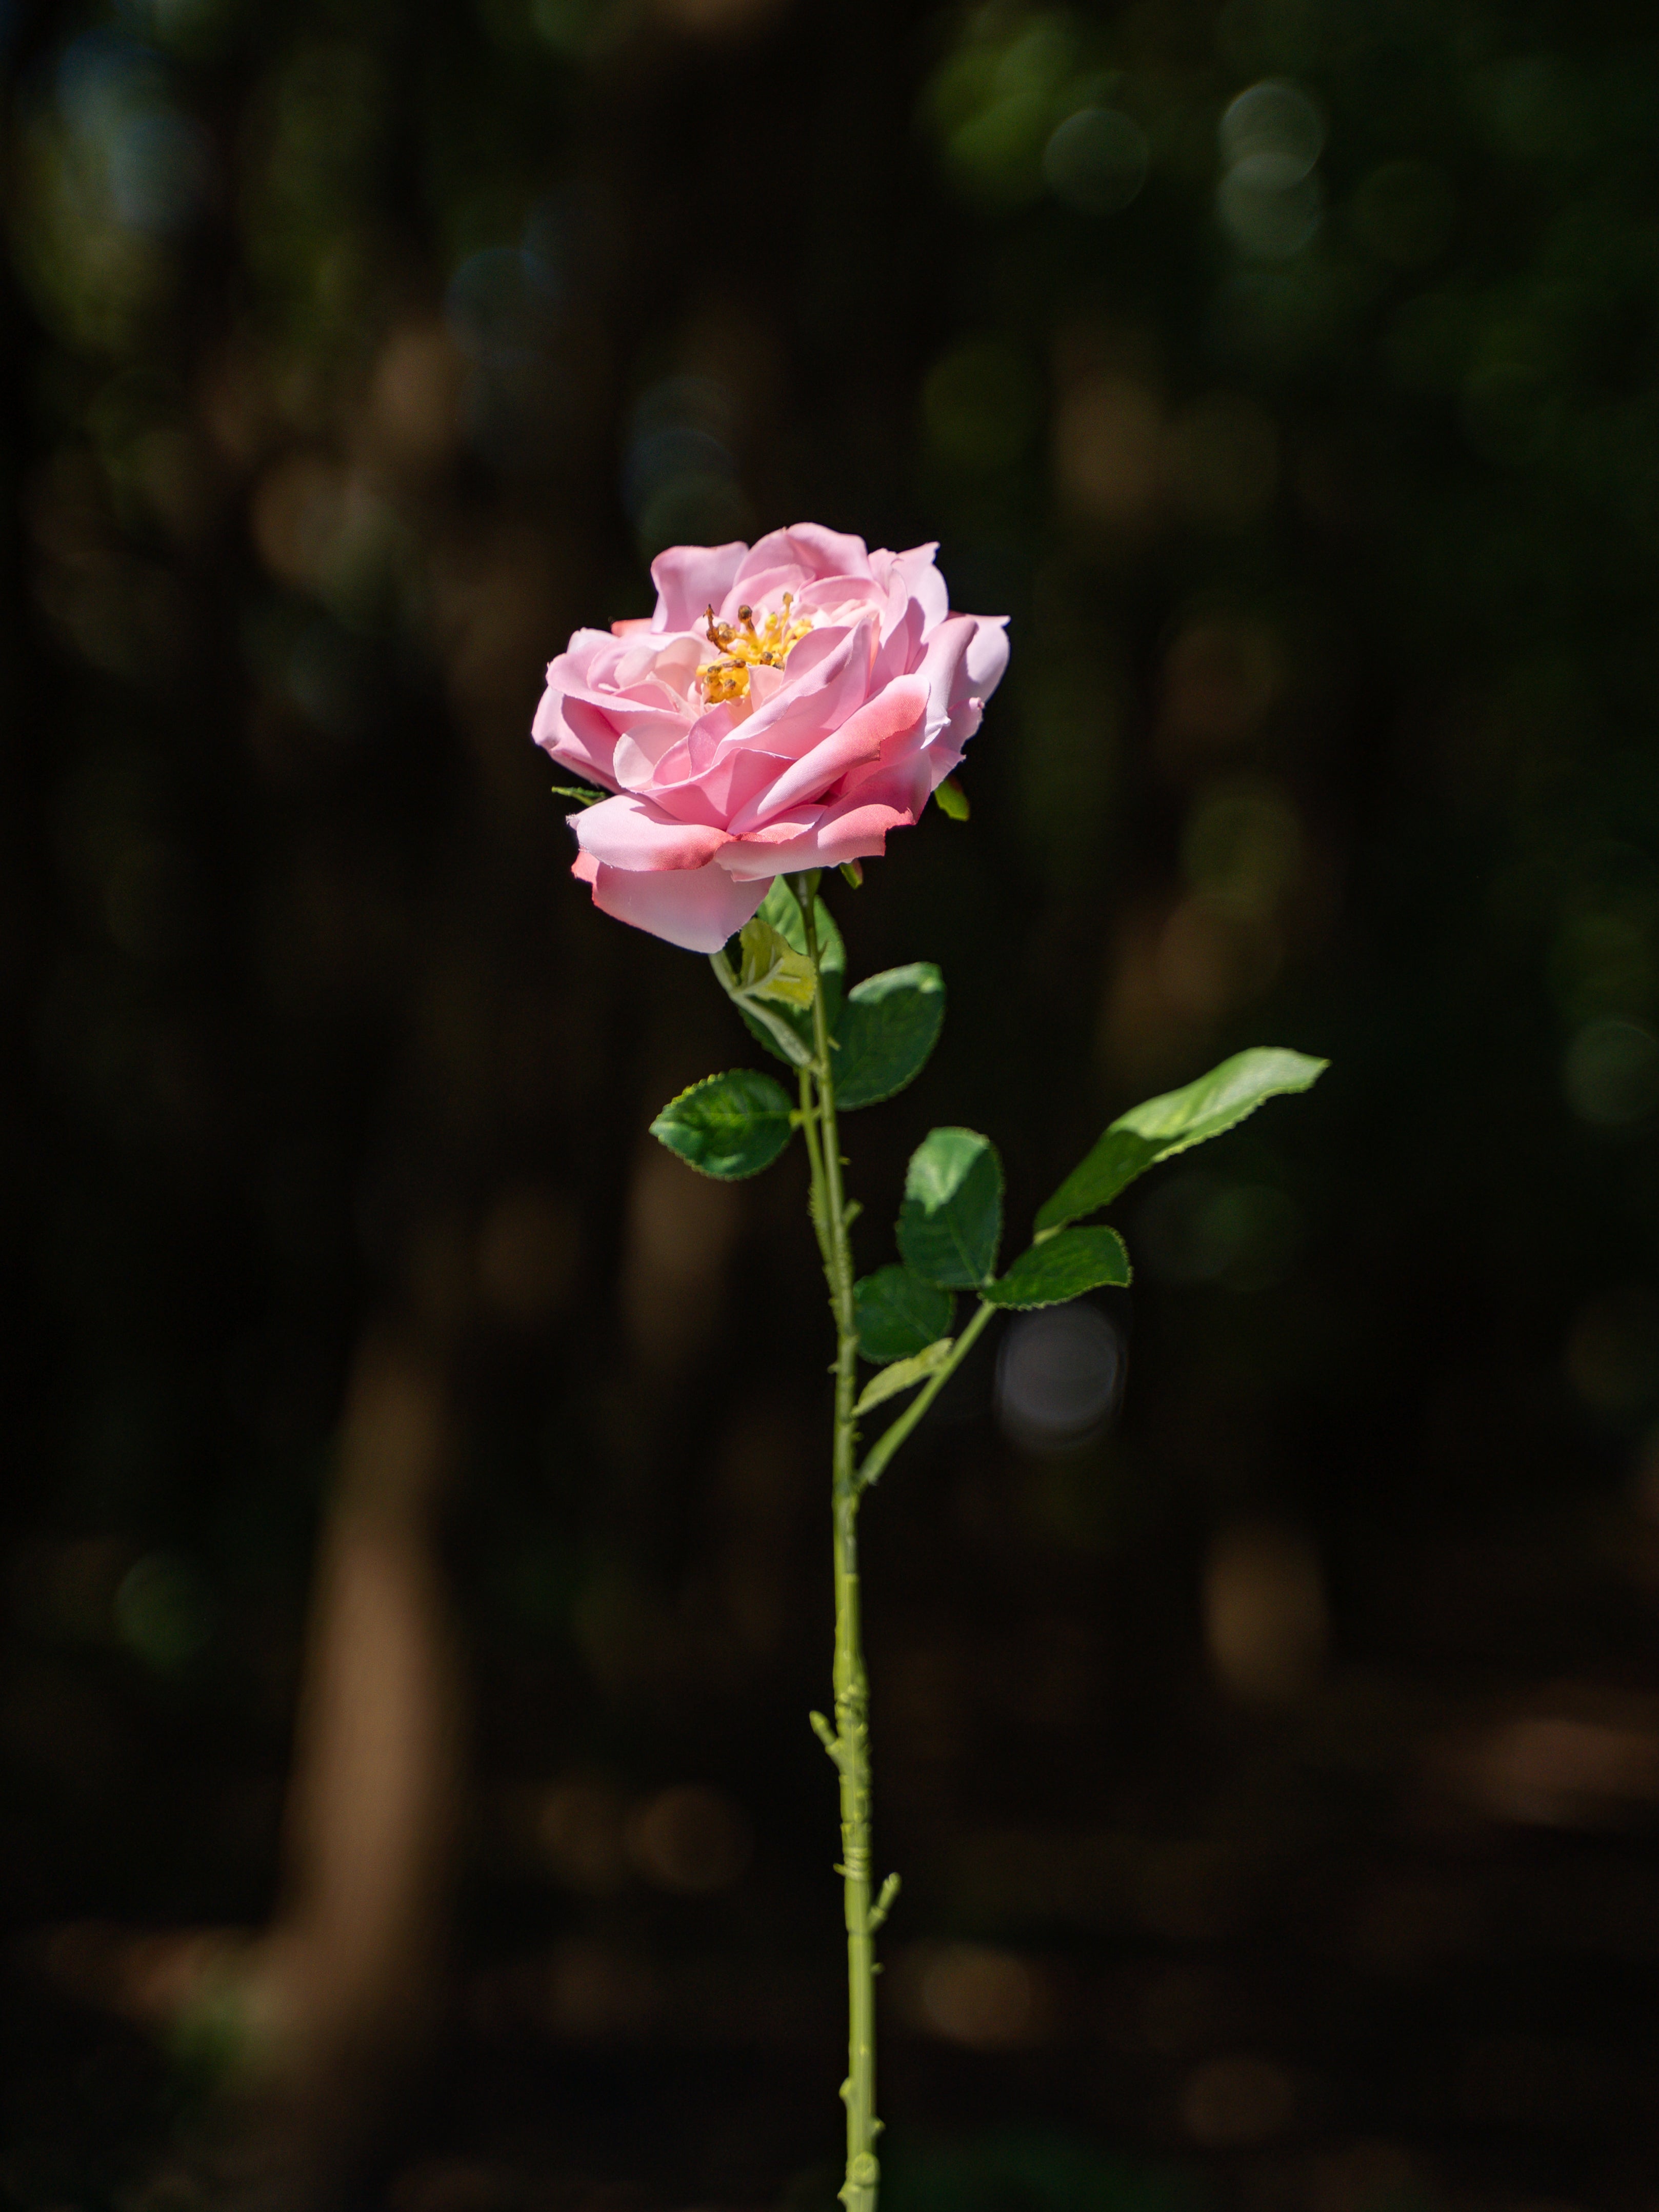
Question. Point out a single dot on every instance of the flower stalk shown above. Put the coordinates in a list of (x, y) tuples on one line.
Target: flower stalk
[(849, 1741)]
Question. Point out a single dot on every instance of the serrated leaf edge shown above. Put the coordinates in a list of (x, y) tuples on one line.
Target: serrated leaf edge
[(702, 1083), (1033, 1305)]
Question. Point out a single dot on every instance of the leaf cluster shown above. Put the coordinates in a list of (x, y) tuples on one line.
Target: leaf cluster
[(949, 1226)]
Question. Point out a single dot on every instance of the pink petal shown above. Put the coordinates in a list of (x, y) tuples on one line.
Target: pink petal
[(924, 582), (576, 735), (690, 578), (944, 669), (987, 656), (697, 907), (850, 831), (632, 832), (810, 546), (756, 853), (833, 684), (945, 751), (865, 736), (755, 583), (901, 652), (904, 781)]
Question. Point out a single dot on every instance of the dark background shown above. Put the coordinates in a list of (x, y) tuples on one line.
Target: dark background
[(1273, 1777)]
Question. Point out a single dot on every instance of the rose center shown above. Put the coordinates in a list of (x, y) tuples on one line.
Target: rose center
[(746, 647)]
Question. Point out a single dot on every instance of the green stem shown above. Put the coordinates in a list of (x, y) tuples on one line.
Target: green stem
[(850, 1744), (894, 1435), (816, 1202)]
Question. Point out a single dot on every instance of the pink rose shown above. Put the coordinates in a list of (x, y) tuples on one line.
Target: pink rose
[(786, 706)]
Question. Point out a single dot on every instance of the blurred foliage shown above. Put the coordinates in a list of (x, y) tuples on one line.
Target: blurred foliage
[(1286, 370)]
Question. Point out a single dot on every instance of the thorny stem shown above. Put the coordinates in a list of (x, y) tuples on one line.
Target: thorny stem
[(849, 1743)]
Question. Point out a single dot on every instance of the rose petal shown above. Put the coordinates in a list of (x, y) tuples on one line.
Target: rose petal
[(827, 687), (901, 650), (945, 751), (577, 736), (924, 582), (987, 656), (851, 831), (865, 736), (697, 907), (690, 578), (811, 548), (944, 669), (632, 833)]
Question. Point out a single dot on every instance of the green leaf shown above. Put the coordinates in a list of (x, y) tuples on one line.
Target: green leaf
[(1063, 1266), (888, 1026), (899, 1315), (1161, 1126), (772, 968), (779, 909), (582, 794), (950, 1223), (903, 1375), (726, 1125), (952, 800)]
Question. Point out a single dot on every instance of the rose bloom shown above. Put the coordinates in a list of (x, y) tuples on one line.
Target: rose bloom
[(786, 705)]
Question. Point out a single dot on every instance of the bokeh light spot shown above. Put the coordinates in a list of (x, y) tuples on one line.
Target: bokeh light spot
[(1060, 1374), (1273, 121), (1243, 849), (1264, 1614), (980, 405), (1096, 161), (163, 1613), (692, 1841), (972, 1994), (1269, 199), (1610, 1074)]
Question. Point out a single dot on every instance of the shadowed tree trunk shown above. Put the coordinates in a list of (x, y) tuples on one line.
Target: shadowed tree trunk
[(340, 1995)]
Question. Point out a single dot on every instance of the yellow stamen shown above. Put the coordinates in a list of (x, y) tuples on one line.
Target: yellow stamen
[(769, 646)]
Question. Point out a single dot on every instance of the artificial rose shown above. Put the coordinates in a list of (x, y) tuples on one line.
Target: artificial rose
[(786, 705)]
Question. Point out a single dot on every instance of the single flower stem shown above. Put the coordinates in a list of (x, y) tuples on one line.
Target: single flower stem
[(850, 1744)]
